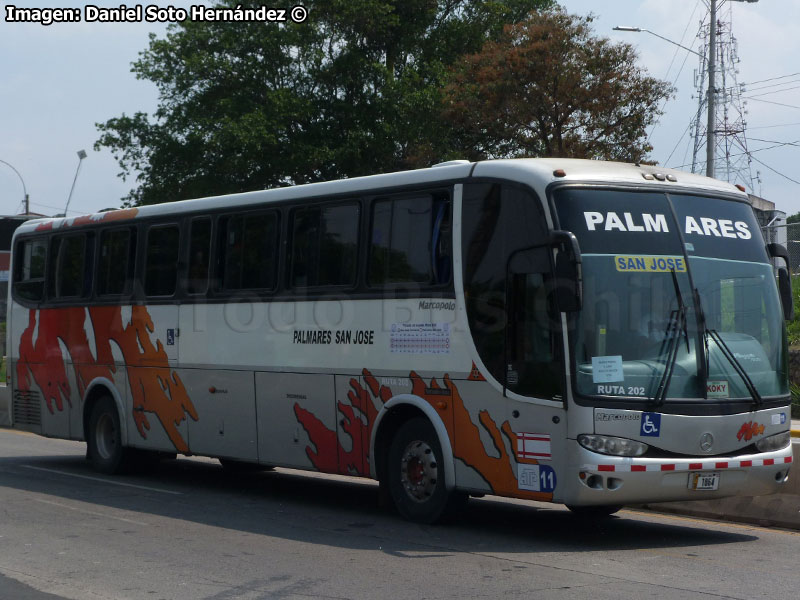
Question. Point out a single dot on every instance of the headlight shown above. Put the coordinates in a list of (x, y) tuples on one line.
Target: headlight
[(774, 442), (606, 444)]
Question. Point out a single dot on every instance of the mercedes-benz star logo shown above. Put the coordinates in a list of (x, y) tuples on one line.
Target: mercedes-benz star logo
[(706, 442)]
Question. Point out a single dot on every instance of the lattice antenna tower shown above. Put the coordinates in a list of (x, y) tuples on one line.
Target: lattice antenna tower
[(733, 161)]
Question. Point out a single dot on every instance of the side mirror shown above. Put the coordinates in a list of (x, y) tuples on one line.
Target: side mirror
[(569, 274), (784, 280), (778, 251)]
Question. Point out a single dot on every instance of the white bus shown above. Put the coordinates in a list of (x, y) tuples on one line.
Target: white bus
[(589, 333)]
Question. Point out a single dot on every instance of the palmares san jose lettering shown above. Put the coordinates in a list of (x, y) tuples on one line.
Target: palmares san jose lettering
[(646, 222), (327, 337), (151, 13)]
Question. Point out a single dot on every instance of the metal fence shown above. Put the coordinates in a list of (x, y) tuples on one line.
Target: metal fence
[(787, 235)]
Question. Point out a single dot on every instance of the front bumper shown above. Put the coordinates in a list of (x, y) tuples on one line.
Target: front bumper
[(600, 479)]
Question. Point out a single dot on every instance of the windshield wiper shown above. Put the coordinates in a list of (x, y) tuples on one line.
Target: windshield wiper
[(676, 325), (726, 352)]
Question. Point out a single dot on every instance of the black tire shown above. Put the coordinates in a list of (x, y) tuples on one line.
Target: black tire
[(104, 439), (238, 466), (416, 474), (594, 512)]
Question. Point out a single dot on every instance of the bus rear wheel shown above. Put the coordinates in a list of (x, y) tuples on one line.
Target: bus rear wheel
[(415, 473), (104, 438)]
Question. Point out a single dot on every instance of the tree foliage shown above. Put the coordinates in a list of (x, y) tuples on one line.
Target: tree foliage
[(549, 87), (355, 89)]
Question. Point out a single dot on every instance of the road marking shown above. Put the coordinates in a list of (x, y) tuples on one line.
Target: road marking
[(132, 485), (90, 512)]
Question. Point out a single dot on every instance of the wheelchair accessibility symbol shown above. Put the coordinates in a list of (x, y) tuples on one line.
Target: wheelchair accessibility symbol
[(651, 424)]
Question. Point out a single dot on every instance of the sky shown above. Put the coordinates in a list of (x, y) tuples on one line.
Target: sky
[(58, 81)]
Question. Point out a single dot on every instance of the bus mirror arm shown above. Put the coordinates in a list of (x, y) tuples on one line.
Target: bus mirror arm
[(569, 277), (784, 281)]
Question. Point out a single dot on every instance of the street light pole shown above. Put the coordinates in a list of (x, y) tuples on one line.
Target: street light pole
[(81, 156), (24, 189), (642, 29)]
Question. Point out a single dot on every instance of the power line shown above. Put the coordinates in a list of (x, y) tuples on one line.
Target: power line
[(774, 126), (795, 143), (747, 153), (671, 62), (772, 85), (776, 103), (774, 171), (774, 78), (79, 211), (773, 92)]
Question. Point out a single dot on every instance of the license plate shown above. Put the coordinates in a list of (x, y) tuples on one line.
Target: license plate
[(703, 481)]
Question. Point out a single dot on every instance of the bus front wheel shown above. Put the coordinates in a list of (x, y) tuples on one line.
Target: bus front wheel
[(105, 438), (415, 473)]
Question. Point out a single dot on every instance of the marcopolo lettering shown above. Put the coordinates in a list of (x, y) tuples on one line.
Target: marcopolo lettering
[(428, 305)]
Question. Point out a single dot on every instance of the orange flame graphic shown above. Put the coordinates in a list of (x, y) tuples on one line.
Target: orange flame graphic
[(358, 418), (155, 388)]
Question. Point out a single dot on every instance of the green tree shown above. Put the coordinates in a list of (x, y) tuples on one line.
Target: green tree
[(356, 89), (795, 218), (549, 87)]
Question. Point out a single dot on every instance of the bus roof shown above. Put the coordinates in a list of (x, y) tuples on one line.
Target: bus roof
[(536, 172)]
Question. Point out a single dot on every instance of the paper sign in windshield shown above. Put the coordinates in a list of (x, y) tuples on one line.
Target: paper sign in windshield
[(606, 369), (650, 264), (717, 389)]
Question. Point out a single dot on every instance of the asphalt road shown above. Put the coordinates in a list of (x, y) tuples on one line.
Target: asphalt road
[(189, 530)]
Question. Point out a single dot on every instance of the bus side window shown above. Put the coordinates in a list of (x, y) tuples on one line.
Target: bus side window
[(506, 264), (68, 273), (115, 263), (161, 260), (324, 249), (534, 367), (441, 243), (199, 255), (249, 255), (409, 241), (29, 269)]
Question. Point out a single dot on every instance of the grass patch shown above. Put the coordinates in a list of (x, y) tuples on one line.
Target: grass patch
[(795, 390), (793, 326)]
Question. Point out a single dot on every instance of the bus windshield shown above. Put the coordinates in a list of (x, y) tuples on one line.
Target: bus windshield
[(680, 301)]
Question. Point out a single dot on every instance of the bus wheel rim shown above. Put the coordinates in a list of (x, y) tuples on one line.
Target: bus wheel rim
[(105, 436), (419, 471)]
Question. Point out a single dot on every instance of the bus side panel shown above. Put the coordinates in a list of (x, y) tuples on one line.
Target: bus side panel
[(55, 419), (297, 420), (541, 448), (149, 425), (503, 446), (225, 404), (482, 453), (43, 377), (355, 413)]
